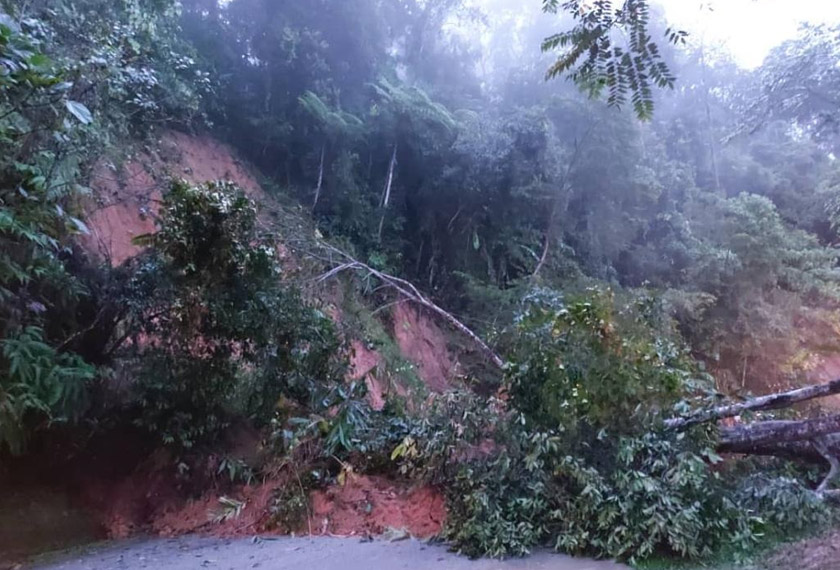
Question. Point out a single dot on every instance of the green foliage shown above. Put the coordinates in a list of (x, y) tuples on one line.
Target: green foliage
[(37, 383), (633, 69), (75, 76), (490, 177), (587, 469), (333, 122), (236, 470), (658, 495), (39, 380), (759, 274), (289, 509), (223, 331), (794, 85), (591, 365), (787, 506), (135, 68), (581, 462)]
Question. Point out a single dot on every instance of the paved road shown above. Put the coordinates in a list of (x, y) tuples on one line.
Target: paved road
[(296, 554)]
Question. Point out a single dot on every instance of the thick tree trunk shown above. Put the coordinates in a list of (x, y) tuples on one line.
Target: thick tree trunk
[(775, 432), (769, 402), (825, 449), (796, 450)]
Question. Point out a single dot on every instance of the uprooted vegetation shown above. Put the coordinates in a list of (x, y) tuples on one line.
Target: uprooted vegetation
[(389, 332)]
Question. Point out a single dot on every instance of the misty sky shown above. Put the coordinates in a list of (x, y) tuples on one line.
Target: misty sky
[(748, 28)]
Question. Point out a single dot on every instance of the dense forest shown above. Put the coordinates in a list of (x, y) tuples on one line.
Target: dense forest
[(614, 233)]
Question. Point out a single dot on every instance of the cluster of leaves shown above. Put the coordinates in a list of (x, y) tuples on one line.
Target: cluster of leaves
[(129, 60), (592, 60), (39, 123), (213, 329), (586, 365), (786, 504), (473, 187), (588, 470), (574, 455)]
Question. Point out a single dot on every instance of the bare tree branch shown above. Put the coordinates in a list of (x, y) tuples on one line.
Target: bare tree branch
[(409, 291)]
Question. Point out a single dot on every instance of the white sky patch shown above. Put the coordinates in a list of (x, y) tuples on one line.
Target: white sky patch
[(748, 29)]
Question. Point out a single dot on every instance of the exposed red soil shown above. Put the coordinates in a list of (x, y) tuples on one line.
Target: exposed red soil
[(424, 344), (363, 365), (151, 501), (808, 353), (371, 505), (126, 197), (127, 200), (152, 498)]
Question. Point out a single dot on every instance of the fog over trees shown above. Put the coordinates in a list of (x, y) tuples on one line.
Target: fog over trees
[(631, 224)]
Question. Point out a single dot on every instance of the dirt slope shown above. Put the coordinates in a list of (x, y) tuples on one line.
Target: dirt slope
[(126, 198), (126, 195), (151, 498)]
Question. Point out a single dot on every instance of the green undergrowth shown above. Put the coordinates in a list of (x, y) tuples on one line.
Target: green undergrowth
[(574, 455)]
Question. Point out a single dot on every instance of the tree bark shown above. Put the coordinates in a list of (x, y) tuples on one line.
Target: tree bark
[(386, 196), (769, 402), (775, 432), (795, 450), (320, 177), (823, 446), (825, 449)]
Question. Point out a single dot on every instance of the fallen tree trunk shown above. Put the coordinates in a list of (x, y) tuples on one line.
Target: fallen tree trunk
[(775, 432), (769, 402), (796, 450), (824, 449)]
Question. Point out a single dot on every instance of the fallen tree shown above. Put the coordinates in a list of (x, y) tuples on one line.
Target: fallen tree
[(408, 291), (774, 432), (815, 440), (769, 402)]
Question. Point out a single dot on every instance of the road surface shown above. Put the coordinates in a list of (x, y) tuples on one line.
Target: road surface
[(295, 554)]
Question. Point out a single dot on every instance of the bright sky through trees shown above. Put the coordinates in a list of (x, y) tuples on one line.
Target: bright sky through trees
[(748, 28)]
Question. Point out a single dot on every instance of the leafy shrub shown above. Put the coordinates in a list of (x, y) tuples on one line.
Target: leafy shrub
[(75, 75), (657, 494), (591, 364), (37, 382), (786, 505), (40, 380), (215, 331)]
